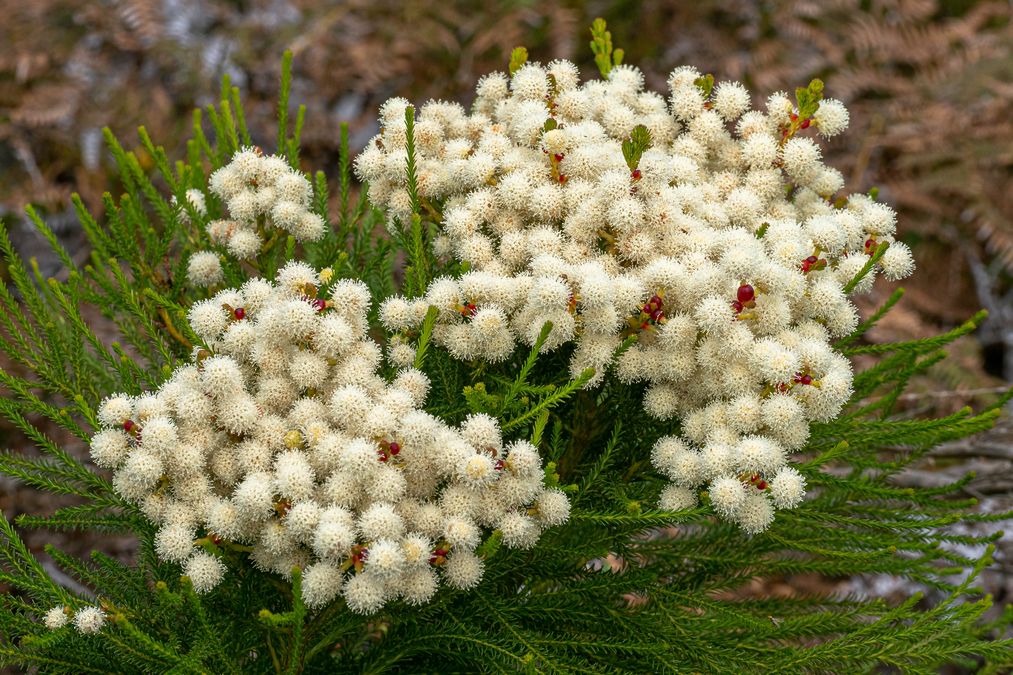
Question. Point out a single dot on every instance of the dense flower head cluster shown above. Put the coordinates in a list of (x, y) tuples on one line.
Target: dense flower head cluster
[(281, 436), (261, 193), (711, 232)]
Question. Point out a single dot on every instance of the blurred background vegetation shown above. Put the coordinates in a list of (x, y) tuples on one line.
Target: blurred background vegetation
[(929, 84)]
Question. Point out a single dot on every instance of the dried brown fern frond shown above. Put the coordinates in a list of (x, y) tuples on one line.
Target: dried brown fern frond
[(48, 104)]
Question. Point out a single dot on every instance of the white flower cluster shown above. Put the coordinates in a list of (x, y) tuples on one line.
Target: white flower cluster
[(718, 240), (87, 620), (261, 192), (281, 436)]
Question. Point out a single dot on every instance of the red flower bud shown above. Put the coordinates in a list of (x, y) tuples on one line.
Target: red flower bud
[(394, 448), (745, 293), (239, 313)]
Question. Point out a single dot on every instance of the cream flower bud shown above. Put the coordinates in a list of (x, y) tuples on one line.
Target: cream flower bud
[(365, 593), (482, 432), (333, 536), (671, 456), (55, 618), (714, 315), (174, 542), (380, 521), (477, 470), (677, 498), (89, 620), (801, 158), (238, 413), (462, 533), (727, 494), (204, 269), (897, 262), (293, 475), (109, 448), (552, 507), (773, 362), (321, 583), (205, 571), (522, 458), (255, 495), (519, 530), (554, 141), (831, 117), (208, 319), (244, 244), (221, 376), (730, 100), (787, 488), (755, 514), (141, 470), (396, 314), (385, 560), (463, 570), (759, 454), (418, 587), (114, 411)]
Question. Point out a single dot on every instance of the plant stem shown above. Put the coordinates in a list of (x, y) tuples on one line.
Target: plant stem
[(169, 326)]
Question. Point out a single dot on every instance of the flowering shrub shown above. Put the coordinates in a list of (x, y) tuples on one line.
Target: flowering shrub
[(618, 315), (710, 233)]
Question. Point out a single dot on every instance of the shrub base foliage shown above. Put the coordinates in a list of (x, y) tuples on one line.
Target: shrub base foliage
[(620, 587)]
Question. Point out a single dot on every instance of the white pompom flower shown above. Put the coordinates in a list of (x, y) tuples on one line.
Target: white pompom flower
[(55, 618), (89, 620), (204, 570), (204, 269)]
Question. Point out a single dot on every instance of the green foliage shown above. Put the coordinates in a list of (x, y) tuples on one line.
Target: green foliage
[(705, 83), (518, 57), (808, 99), (605, 57), (621, 587), (636, 145), (413, 237)]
